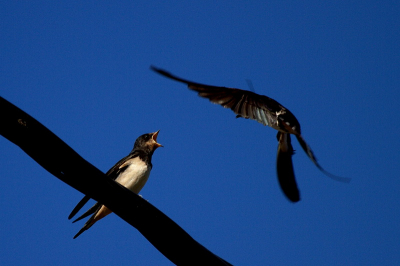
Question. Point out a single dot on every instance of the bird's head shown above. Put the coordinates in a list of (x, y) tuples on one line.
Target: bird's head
[(147, 142)]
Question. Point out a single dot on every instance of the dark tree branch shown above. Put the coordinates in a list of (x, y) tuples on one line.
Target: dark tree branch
[(62, 161)]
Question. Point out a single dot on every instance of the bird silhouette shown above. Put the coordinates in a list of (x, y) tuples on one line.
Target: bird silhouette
[(267, 111)]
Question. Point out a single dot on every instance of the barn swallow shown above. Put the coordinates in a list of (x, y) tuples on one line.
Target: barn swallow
[(268, 112), (131, 171)]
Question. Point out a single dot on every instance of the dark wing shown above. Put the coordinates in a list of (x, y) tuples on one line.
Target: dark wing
[(245, 104), (284, 168), (261, 108), (311, 155), (113, 174)]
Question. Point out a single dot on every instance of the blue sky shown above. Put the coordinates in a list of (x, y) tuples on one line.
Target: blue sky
[(82, 69)]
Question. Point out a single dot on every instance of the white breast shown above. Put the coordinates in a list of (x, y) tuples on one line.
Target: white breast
[(135, 176)]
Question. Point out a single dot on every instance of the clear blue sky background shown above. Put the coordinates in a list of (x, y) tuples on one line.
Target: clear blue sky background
[(82, 69)]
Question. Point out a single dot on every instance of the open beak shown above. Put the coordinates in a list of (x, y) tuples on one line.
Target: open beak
[(155, 134)]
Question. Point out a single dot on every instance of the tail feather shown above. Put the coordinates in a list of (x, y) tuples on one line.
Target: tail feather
[(100, 213), (81, 231), (311, 155), (284, 168), (87, 225), (92, 210), (78, 206)]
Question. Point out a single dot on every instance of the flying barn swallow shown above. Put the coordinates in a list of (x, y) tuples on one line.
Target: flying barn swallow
[(131, 171), (268, 112)]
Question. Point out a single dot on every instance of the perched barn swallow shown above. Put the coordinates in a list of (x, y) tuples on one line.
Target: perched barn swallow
[(268, 112), (131, 171)]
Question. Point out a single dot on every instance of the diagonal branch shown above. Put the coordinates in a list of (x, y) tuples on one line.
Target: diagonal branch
[(62, 161)]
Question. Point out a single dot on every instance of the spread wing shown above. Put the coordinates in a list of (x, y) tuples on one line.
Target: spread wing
[(251, 105), (244, 104), (284, 168), (113, 174)]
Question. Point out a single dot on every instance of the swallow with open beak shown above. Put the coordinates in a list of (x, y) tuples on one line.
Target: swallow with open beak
[(268, 112), (131, 171)]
